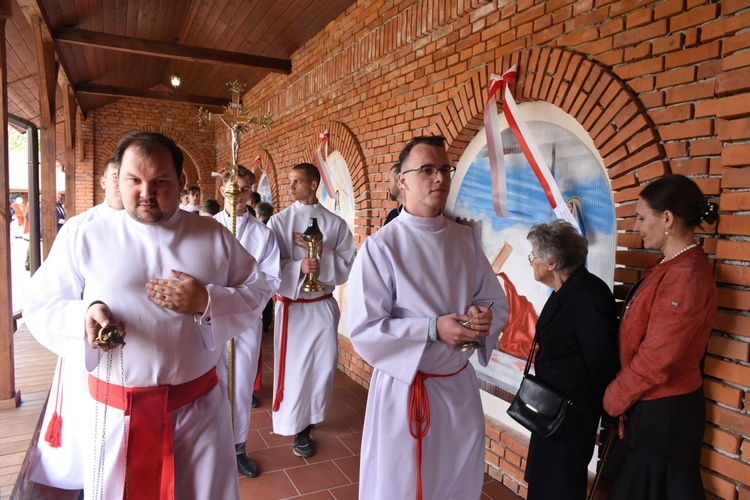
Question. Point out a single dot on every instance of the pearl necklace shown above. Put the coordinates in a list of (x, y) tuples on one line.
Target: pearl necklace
[(689, 247)]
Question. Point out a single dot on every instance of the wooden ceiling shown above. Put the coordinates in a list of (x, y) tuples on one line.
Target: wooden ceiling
[(110, 48)]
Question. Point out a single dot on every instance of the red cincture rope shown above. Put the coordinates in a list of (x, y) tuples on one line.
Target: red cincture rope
[(53, 436), (286, 301), (419, 415)]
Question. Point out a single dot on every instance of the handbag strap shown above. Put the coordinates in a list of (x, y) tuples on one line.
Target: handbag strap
[(531, 353), (531, 356)]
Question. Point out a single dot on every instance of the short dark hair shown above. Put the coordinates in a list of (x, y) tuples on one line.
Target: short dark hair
[(682, 197), (312, 172), (396, 168), (193, 188), (211, 206), (255, 197), (264, 210), (242, 173), (429, 140), (146, 143), (110, 163), (561, 243)]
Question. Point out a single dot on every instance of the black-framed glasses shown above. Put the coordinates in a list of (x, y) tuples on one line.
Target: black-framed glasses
[(432, 172)]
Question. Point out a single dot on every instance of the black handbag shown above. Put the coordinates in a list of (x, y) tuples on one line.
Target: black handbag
[(537, 406)]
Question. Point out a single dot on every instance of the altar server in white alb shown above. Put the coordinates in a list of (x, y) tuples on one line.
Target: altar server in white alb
[(411, 284), (58, 459), (181, 286), (306, 324), (261, 243)]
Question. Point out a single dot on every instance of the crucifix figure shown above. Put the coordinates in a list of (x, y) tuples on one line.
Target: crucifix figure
[(236, 119)]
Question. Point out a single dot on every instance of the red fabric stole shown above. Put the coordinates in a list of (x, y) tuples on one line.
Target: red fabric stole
[(149, 474)]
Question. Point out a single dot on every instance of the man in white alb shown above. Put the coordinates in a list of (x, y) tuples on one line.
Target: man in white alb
[(395, 194), (306, 324), (193, 204), (158, 419), (411, 284), (58, 458), (259, 241)]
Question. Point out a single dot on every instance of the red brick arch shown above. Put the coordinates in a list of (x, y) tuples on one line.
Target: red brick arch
[(194, 157), (193, 153), (342, 139), (200, 165), (602, 103)]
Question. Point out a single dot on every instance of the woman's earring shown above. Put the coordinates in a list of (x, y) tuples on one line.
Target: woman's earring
[(666, 230)]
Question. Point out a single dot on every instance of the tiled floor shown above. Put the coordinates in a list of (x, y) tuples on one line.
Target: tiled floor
[(332, 473)]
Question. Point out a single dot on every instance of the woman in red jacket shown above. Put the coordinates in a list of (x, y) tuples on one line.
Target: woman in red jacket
[(658, 393)]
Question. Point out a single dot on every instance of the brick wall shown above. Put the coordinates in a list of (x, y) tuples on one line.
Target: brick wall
[(103, 128), (660, 86)]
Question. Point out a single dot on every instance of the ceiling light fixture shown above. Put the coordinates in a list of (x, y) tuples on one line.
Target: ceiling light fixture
[(175, 80)]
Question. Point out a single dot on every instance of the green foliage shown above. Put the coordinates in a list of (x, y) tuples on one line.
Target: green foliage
[(16, 140)]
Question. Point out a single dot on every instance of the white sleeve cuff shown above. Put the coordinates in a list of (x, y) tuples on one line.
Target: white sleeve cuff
[(205, 318)]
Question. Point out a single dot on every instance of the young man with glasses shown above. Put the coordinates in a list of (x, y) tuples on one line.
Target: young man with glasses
[(411, 284)]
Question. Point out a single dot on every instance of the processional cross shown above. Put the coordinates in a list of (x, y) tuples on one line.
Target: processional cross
[(237, 119)]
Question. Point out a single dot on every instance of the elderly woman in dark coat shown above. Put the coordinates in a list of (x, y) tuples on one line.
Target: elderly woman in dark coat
[(577, 355)]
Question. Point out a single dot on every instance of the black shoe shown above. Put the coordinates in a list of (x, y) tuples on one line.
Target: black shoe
[(246, 466), (303, 444), (255, 402)]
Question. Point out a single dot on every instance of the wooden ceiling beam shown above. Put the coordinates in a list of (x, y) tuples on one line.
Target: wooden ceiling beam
[(171, 50), (47, 71), (114, 91), (32, 9)]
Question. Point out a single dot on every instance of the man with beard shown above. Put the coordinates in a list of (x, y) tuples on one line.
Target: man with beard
[(159, 420)]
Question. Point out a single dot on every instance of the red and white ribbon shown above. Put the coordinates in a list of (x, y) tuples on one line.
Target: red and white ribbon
[(530, 150), (495, 144), (321, 157), (256, 161)]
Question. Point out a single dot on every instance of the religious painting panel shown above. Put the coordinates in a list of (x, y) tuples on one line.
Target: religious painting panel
[(579, 172), (264, 189), (341, 203)]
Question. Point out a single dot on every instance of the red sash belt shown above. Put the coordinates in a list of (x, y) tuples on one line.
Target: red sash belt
[(150, 409), (286, 301), (419, 415)]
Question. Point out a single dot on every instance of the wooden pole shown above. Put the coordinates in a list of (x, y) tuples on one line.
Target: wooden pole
[(47, 69), (69, 102), (9, 396)]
